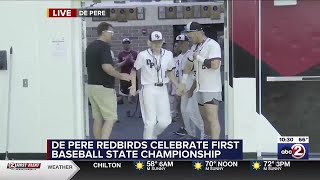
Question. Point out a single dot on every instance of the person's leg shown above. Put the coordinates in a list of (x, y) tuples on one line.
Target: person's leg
[(182, 114), (201, 100), (96, 114), (206, 124), (211, 114), (162, 111), (108, 107), (124, 92), (107, 129), (208, 106), (186, 113), (178, 109), (126, 105), (148, 111)]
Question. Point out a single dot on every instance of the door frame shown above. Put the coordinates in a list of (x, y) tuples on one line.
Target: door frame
[(228, 98)]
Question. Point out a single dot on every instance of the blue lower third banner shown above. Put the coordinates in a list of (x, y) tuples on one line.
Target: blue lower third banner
[(144, 149)]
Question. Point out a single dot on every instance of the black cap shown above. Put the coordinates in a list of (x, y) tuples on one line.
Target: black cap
[(182, 37), (193, 27)]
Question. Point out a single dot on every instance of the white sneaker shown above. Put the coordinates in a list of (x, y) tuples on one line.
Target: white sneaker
[(205, 137)]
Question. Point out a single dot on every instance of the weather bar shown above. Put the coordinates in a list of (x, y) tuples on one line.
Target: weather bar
[(73, 12)]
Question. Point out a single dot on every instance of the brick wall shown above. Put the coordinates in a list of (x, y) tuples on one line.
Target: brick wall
[(139, 41)]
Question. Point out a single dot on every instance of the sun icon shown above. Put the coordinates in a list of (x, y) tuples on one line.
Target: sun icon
[(256, 165), (197, 165), (139, 166)]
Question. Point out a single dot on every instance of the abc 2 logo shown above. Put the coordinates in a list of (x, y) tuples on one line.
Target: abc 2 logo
[(293, 151)]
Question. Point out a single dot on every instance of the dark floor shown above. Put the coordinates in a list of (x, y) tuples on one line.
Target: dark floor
[(132, 127)]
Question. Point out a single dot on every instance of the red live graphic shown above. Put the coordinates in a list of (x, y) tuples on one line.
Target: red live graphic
[(54, 12)]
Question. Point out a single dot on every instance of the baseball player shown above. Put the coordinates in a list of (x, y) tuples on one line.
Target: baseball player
[(156, 65), (206, 61), (183, 46), (172, 90), (192, 120)]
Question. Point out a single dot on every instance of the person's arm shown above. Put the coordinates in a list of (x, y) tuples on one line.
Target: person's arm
[(188, 66), (172, 76), (214, 61), (109, 69), (133, 77), (133, 74), (191, 90), (120, 63), (180, 86), (106, 64), (132, 59)]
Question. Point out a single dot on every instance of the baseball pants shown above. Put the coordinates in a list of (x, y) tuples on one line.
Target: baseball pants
[(155, 110), (190, 112)]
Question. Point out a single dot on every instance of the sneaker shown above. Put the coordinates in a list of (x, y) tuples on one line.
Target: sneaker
[(205, 137), (181, 132)]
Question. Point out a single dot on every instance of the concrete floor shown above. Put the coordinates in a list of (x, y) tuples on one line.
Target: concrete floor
[(132, 127)]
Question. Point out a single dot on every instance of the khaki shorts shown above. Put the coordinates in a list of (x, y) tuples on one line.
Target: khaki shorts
[(103, 102)]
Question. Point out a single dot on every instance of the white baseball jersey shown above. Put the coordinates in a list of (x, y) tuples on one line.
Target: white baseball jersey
[(153, 68), (208, 80), (180, 64)]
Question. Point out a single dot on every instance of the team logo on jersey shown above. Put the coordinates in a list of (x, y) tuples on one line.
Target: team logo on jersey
[(149, 63), (204, 67)]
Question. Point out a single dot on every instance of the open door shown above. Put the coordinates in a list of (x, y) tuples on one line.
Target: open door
[(290, 72)]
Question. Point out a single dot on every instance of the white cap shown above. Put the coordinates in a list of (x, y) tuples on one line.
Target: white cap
[(156, 36), (126, 40)]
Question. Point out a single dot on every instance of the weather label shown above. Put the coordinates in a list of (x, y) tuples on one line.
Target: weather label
[(270, 165), (275, 165), (214, 165), (153, 165)]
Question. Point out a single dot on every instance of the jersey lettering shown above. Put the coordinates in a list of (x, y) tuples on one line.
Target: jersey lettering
[(149, 63)]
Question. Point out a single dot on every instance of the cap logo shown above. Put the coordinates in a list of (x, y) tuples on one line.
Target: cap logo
[(157, 36)]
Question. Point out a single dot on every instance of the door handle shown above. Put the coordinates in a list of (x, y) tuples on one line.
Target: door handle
[(293, 78), (3, 60)]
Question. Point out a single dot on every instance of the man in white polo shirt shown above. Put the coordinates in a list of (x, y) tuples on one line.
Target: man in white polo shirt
[(206, 61)]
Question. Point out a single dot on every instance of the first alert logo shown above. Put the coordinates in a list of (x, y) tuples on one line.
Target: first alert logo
[(23, 166)]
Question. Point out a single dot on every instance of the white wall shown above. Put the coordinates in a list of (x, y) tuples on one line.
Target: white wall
[(257, 133), (151, 14), (51, 107)]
